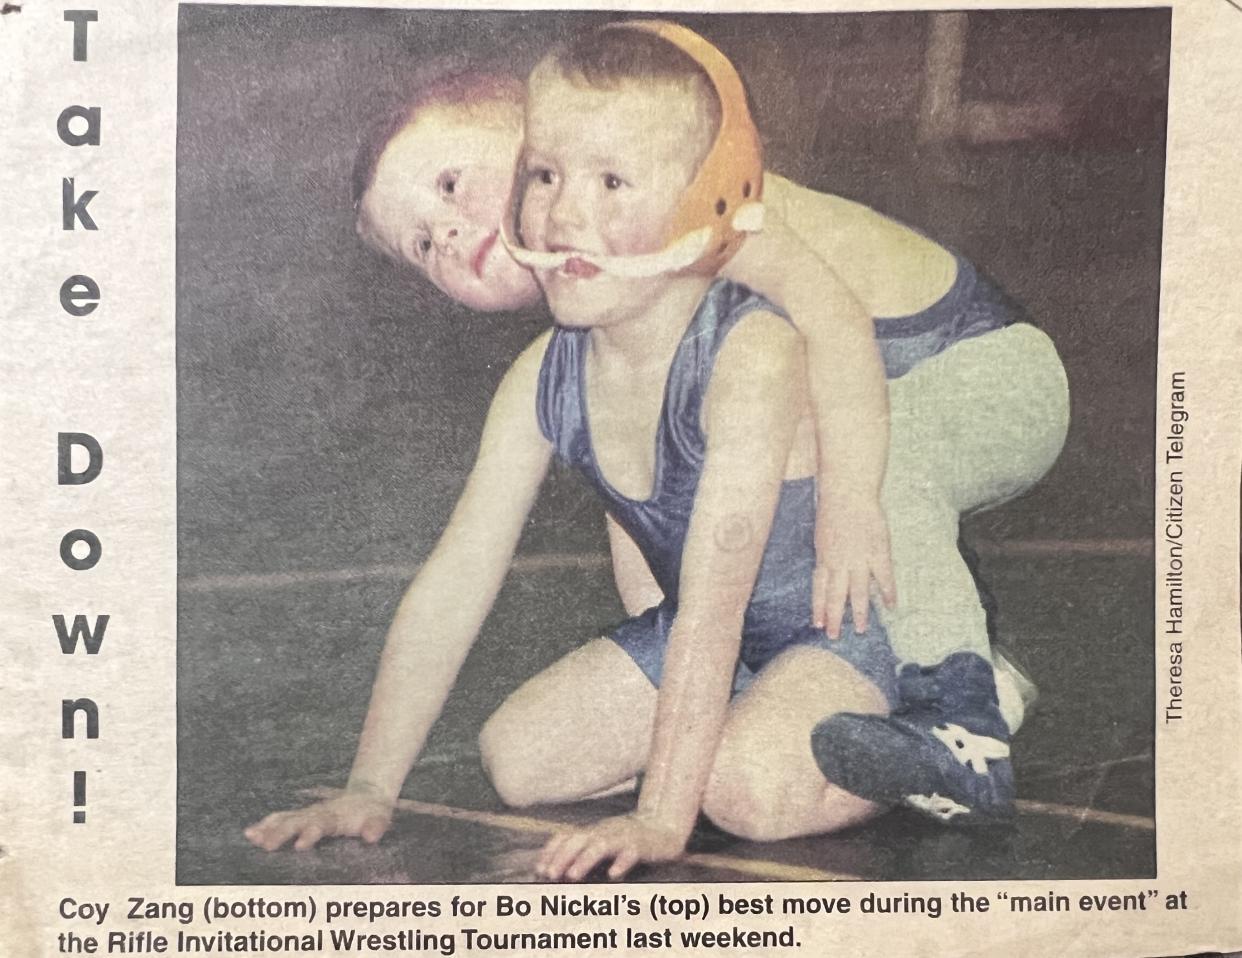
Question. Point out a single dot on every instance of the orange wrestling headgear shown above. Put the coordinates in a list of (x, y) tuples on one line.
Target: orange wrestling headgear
[(723, 201)]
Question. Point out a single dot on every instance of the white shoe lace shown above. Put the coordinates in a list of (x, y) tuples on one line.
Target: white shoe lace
[(970, 749), (936, 805)]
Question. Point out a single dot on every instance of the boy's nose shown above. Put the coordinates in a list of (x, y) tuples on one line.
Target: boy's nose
[(568, 210), (445, 237)]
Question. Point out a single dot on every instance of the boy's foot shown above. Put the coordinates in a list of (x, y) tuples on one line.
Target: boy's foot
[(944, 751), (1016, 691)]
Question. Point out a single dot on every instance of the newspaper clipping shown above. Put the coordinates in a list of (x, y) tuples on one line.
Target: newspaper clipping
[(512, 479)]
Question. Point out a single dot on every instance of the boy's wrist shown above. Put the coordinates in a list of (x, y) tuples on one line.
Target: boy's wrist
[(666, 820), (370, 789), (836, 496), (676, 830)]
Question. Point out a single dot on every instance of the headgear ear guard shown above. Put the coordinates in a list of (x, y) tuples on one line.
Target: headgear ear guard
[(723, 201)]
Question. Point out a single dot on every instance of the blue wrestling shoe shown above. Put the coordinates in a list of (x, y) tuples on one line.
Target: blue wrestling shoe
[(944, 751)]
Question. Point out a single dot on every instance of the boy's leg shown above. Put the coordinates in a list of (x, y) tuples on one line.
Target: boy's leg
[(765, 784), (971, 428), (580, 727)]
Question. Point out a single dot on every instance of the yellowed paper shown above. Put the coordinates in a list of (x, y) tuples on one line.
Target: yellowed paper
[(282, 421)]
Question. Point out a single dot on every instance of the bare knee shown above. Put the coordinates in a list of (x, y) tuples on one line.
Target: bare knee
[(748, 810), (764, 811), (513, 771), (765, 784), (747, 796), (537, 748)]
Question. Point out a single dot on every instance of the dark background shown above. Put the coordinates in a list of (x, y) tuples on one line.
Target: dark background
[(329, 403)]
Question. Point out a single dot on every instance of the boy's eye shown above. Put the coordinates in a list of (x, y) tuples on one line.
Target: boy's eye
[(612, 181), (541, 174)]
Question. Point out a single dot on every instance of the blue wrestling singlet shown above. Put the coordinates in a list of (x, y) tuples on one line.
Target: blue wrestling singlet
[(973, 305), (779, 614)]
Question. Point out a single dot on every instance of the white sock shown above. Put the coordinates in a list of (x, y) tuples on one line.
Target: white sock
[(1015, 693)]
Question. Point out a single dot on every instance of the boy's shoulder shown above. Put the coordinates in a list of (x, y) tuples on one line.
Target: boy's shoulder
[(521, 380), (729, 302), (757, 358), (741, 333), (532, 354)]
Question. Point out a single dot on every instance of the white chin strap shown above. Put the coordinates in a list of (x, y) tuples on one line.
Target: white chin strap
[(678, 255)]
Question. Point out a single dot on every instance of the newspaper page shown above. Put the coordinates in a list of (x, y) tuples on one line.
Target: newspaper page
[(400, 558)]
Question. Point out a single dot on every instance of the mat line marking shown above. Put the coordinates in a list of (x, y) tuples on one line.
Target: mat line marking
[(553, 561), (1093, 815), (777, 871), (1036, 771)]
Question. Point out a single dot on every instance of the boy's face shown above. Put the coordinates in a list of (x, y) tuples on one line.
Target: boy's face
[(603, 173), (440, 191)]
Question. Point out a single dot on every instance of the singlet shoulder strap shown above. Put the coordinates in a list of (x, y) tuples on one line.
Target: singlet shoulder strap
[(557, 397)]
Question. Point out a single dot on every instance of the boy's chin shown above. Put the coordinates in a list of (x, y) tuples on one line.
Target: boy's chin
[(511, 303), (497, 299), (575, 319), (576, 309), (581, 301)]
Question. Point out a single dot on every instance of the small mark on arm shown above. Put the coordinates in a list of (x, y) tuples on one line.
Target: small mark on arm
[(733, 533)]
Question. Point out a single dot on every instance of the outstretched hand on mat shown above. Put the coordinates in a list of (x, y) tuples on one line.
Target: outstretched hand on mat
[(626, 839), (851, 542), (351, 815)]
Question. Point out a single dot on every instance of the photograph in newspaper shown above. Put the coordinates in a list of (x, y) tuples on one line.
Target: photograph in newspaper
[(952, 219)]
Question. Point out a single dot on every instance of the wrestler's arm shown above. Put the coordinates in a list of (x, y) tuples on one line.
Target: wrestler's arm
[(437, 619), (750, 416), (849, 396)]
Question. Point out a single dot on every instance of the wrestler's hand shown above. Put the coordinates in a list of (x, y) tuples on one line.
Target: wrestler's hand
[(626, 839), (354, 814), (851, 543)]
